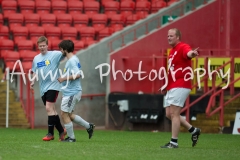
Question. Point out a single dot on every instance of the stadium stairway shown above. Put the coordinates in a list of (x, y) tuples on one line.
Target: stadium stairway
[(17, 117), (211, 124)]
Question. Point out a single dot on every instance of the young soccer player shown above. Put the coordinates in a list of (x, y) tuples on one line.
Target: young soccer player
[(72, 91), (44, 63)]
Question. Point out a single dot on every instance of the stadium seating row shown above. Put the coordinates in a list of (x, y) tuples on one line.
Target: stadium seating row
[(72, 7), (98, 21), (88, 34)]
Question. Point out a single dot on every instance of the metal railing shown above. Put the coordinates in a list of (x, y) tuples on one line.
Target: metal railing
[(214, 91)]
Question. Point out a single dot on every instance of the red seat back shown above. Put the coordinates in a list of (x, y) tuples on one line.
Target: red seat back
[(75, 7), (32, 20), (26, 6), (59, 7), (43, 7), (64, 20)]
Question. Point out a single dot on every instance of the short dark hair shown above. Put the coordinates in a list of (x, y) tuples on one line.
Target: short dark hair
[(67, 45)]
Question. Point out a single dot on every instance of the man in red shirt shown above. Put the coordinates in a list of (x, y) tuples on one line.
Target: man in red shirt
[(179, 86)]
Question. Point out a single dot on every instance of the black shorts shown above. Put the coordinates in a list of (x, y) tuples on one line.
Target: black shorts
[(50, 96)]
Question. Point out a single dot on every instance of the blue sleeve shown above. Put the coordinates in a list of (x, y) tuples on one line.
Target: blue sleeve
[(34, 68), (75, 67), (59, 56)]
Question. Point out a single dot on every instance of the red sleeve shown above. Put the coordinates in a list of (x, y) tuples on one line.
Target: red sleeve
[(185, 49)]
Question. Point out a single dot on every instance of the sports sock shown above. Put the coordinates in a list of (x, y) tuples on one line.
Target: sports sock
[(58, 124), (81, 121), (174, 141), (51, 124), (192, 130), (69, 128)]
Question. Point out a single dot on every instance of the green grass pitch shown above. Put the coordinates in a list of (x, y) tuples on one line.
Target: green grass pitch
[(27, 144)]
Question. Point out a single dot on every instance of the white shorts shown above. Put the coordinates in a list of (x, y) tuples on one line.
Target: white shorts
[(176, 97), (68, 102)]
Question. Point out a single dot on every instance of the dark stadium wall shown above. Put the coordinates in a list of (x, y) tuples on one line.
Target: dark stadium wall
[(207, 28)]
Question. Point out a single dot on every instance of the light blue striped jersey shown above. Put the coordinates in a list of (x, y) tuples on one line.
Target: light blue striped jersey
[(45, 66), (73, 67)]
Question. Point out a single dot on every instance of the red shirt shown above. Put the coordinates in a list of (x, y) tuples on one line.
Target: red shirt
[(178, 59)]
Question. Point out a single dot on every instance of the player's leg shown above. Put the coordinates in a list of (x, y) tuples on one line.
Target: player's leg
[(51, 98), (80, 121), (50, 135), (175, 118), (67, 106), (193, 130)]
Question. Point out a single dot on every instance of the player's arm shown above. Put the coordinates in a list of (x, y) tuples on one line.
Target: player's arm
[(74, 74), (70, 78), (34, 74), (193, 53)]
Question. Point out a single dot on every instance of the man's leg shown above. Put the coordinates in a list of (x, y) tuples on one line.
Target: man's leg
[(55, 118), (69, 127), (50, 134), (89, 126)]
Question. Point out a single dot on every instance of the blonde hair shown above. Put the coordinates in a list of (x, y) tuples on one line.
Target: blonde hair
[(42, 39)]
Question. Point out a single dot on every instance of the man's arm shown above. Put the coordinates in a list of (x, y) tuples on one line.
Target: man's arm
[(33, 81), (193, 53), (70, 78)]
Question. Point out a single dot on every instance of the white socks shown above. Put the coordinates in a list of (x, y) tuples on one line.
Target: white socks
[(69, 128), (81, 121)]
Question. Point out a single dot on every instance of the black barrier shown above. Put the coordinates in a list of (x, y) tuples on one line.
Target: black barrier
[(142, 108), (146, 108)]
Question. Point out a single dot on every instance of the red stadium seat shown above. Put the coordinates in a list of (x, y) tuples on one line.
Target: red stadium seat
[(6, 45), (78, 45), (26, 6), (10, 58), (87, 35), (75, 7), (105, 33), (64, 20), (127, 8), (143, 8), (132, 19), (20, 33), (157, 5), (43, 7), (80, 21), (59, 7), (69, 33), (15, 20), (1, 20), (35, 33), (48, 20), (25, 45), (4, 32), (8, 7), (55, 44), (26, 55), (27, 58), (99, 21), (91, 8), (53, 33), (117, 22), (111, 8), (106, 1), (32, 20)]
